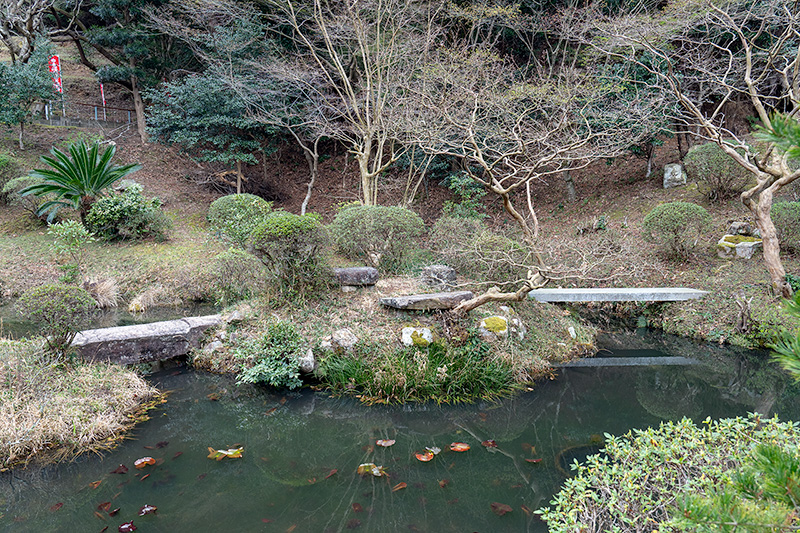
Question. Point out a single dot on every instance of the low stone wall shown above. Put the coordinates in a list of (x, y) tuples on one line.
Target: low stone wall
[(143, 343)]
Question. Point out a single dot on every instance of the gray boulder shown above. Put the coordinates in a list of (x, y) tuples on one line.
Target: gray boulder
[(427, 302), (674, 175), (341, 340), (411, 336), (441, 277), (732, 246), (356, 276)]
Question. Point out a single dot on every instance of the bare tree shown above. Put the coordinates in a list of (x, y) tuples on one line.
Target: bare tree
[(511, 131), (711, 55)]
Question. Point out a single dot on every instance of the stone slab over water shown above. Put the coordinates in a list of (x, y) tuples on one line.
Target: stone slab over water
[(143, 343), (425, 302), (650, 294)]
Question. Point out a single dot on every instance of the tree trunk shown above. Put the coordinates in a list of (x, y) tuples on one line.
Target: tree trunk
[(312, 158), (651, 155), (238, 177), (138, 105), (572, 195), (21, 130), (760, 207)]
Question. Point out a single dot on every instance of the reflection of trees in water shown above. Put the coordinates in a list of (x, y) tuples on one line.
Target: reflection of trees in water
[(668, 393)]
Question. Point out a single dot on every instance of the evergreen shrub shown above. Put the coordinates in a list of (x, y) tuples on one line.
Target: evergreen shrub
[(718, 175), (676, 227), (786, 217), (234, 217), (236, 275), (128, 215), (294, 250), (9, 170), (273, 358), (379, 235)]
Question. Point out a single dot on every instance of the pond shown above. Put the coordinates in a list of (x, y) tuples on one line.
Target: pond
[(302, 449)]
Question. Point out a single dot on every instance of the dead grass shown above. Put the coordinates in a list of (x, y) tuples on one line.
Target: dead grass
[(48, 412)]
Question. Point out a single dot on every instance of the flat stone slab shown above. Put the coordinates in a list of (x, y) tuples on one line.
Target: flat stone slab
[(356, 276), (629, 361), (141, 343), (652, 294), (426, 302)]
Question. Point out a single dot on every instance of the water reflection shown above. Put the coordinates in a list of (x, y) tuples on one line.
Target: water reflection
[(302, 450)]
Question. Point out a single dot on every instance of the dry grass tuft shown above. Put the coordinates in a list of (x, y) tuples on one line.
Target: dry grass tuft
[(154, 296), (104, 291), (49, 412)]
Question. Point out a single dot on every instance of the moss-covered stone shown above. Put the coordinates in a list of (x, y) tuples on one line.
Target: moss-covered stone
[(495, 324)]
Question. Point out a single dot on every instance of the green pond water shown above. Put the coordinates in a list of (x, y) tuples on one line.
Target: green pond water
[(302, 449)]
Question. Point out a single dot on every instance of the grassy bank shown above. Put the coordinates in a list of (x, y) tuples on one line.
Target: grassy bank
[(50, 412)]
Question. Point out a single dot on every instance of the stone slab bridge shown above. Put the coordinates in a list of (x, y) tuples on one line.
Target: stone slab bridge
[(648, 294)]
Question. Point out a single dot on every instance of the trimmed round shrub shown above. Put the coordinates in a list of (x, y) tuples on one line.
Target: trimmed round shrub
[(786, 217), (236, 275), (676, 227), (128, 215), (234, 217), (379, 235), (9, 170), (60, 311), (718, 175), (294, 250), (476, 252)]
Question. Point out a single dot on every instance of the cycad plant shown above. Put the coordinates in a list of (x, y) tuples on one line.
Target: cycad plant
[(76, 179)]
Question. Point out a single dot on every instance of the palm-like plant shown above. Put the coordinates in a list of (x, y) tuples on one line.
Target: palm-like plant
[(76, 179)]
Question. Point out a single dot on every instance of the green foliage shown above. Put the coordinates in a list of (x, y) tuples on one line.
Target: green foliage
[(476, 252), (633, 485), (76, 179), (786, 350), (273, 358), (676, 227), (469, 193), (718, 175), (236, 275), (71, 239), (60, 311), (9, 170), (294, 250), (128, 215), (785, 134), (379, 235), (29, 203), (441, 372), (234, 217), (786, 217)]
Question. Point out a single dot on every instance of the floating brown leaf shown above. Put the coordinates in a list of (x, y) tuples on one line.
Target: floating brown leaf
[(526, 510), (214, 396), (104, 529), (145, 477), (312, 480), (113, 512), (147, 509), (266, 520), (443, 482), (500, 508), (95, 484), (332, 472), (177, 455), (459, 447), (56, 507), (143, 462), (270, 411), (425, 456), (162, 444), (357, 508), (121, 469), (534, 461), (231, 453), (354, 523), (98, 515), (127, 527), (385, 443), (399, 486), (489, 443), (105, 506), (291, 528)]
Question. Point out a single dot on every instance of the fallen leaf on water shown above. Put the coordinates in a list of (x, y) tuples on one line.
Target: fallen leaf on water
[(312, 481), (354, 523), (453, 501), (177, 455), (291, 528), (56, 507), (231, 453), (201, 476), (368, 449), (113, 512), (459, 447), (357, 508), (425, 456), (95, 484), (526, 510), (105, 506), (266, 520), (98, 515), (143, 462), (500, 508), (127, 527), (147, 509), (534, 461), (121, 469), (399, 486), (162, 444), (489, 443), (149, 447), (214, 396), (270, 411), (385, 443), (443, 482), (144, 477), (332, 472), (370, 468), (104, 529), (526, 447), (483, 416), (282, 401), (434, 450)]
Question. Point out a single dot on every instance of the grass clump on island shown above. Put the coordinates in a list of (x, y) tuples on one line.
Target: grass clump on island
[(52, 411)]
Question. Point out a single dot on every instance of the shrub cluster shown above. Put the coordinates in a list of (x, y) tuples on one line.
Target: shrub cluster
[(128, 215), (272, 358), (476, 252), (234, 217), (236, 275), (60, 311), (294, 250), (718, 175), (9, 170), (30, 203), (786, 217), (440, 372), (676, 227), (379, 235)]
